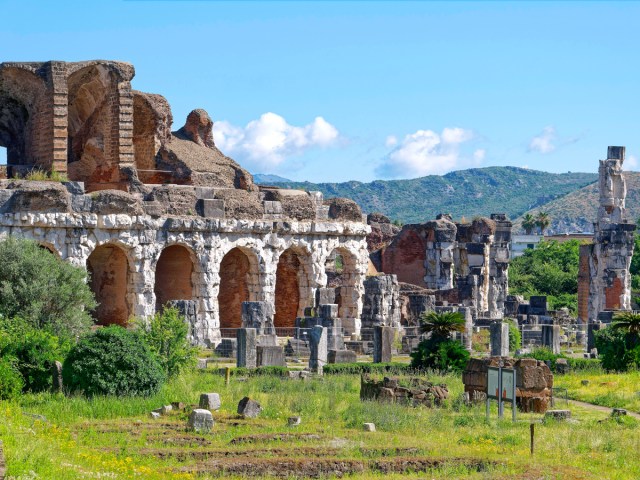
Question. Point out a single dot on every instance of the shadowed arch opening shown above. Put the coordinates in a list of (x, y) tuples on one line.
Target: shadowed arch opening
[(340, 268), (238, 283), (109, 274), (293, 292), (49, 248), (174, 272)]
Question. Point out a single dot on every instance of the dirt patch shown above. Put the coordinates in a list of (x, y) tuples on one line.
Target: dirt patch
[(275, 437), (389, 452), (199, 455)]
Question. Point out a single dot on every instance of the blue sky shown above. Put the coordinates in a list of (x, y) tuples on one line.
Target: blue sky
[(333, 91)]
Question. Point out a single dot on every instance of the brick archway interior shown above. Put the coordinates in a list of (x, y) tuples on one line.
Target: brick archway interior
[(238, 283), (340, 269), (173, 276), (293, 292), (109, 280)]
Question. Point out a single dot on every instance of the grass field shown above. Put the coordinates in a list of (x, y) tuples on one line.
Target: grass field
[(115, 438), (609, 390)]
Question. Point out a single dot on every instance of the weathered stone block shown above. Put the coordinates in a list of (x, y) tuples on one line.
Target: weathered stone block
[(382, 344), (211, 208), (325, 296), (270, 355), (499, 339), (318, 349), (249, 408), (200, 420), (328, 311), (247, 344), (342, 356), (210, 401)]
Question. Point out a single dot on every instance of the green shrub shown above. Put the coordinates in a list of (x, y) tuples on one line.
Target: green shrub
[(618, 349), (273, 370), (11, 382), (43, 290), (438, 354), (515, 338), (577, 364), (112, 361), (35, 352), (166, 336), (360, 368)]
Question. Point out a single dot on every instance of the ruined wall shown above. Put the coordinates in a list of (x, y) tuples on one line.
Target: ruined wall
[(613, 241)]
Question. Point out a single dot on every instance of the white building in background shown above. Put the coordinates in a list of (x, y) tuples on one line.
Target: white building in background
[(519, 243)]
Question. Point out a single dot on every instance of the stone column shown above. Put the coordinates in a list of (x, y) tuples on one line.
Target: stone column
[(318, 349), (382, 343), (468, 326), (551, 337), (591, 329), (499, 339), (246, 350)]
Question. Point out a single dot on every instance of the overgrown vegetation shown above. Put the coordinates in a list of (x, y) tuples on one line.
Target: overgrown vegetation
[(47, 293), (619, 345), (112, 361), (550, 269), (42, 176), (575, 364), (439, 351)]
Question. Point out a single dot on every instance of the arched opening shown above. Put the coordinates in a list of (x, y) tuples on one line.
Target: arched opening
[(293, 292), (109, 277), (174, 272), (49, 248), (23, 132), (238, 283), (91, 147), (340, 268)]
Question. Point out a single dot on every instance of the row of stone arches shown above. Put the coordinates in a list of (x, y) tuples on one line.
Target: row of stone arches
[(242, 277)]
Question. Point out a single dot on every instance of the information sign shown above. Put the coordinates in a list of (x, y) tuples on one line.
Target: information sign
[(508, 384), (493, 383)]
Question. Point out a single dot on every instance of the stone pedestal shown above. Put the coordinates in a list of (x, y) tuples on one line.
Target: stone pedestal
[(499, 339), (318, 348), (270, 356), (246, 353), (591, 329), (342, 356), (382, 343)]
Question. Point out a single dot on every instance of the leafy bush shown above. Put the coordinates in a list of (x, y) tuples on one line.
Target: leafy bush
[(166, 336), (34, 351), (618, 349), (437, 354), (112, 361), (11, 382), (360, 368), (481, 341), (515, 338), (46, 292)]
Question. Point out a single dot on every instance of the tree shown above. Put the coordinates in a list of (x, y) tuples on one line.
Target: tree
[(542, 221), (43, 290), (528, 223), (442, 325), (628, 321), (439, 351)]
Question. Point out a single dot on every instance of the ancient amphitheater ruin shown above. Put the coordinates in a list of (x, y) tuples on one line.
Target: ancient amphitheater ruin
[(158, 215)]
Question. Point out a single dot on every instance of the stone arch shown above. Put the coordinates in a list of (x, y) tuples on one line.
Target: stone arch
[(239, 282), (92, 117), (110, 280), (23, 123), (293, 290), (341, 270), (174, 273), (49, 248)]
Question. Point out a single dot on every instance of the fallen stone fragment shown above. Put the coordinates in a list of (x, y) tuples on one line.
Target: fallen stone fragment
[(200, 420), (155, 415), (558, 414), (249, 408), (369, 427), (210, 401), (294, 421)]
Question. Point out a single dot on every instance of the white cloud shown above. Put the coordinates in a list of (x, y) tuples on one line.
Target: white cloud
[(631, 162), (269, 141), (426, 152), (544, 142), (391, 141)]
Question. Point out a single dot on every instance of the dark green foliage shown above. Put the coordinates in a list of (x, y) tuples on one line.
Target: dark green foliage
[(442, 325), (478, 191), (550, 269), (166, 336), (438, 354), (515, 338), (33, 352), (360, 368), (43, 290), (11, 382), (628, 321), (273, 370), (112, 361), (618, 349)]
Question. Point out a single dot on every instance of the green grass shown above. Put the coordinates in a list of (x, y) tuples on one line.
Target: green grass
[(609, 390), (115, 438)]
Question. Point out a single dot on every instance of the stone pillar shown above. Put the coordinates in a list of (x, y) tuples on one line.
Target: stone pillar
[(188, 310), (591, 329), (468, 326), (246, 350), (258, 315), (56, 372), (382, 343), (381, 301), (499, 339), (551, 337), (318, 349)]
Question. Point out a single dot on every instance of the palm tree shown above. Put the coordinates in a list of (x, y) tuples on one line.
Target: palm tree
[(543, 221), (528, 223), (442, 325), (627, 320)]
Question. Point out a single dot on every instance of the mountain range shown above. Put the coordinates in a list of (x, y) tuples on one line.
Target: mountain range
[(473, 192)]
